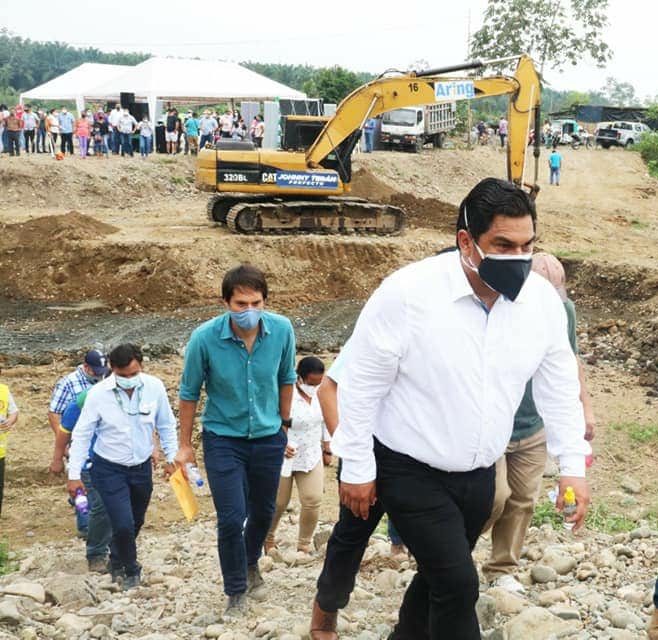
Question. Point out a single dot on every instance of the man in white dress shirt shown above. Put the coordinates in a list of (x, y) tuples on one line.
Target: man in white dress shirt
[(120, 415), (438, 364)]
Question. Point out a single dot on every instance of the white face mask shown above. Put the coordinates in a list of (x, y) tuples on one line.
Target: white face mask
[(309, 389)]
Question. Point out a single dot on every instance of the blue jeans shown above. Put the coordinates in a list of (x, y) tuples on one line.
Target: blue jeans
[(655, 596), (243, 476), (41, 140), (99, 530), (126, 493), (555, 175), (394, 535), (145, 145), (126, 144), (368, 136), (209, 137), (115, 139)]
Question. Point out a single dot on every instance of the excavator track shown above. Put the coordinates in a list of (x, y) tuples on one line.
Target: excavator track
[(331, 215), (220, 203)]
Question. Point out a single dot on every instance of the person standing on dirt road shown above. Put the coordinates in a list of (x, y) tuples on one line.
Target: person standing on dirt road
[(555, 165), (127, 126), (369, 134), (245, 358), (13, 127), (437, 367), (113, 120), (123, 412), (66, 123), (519, 471), (502, 131)]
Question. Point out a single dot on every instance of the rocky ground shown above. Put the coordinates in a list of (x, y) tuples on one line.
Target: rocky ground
[(581, 588), (99, 252)]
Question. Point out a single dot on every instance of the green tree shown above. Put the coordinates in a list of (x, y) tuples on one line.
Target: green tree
[(556, 32), (619, 94), (334, 83)]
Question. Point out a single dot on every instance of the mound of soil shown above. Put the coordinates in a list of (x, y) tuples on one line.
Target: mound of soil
[(366, 185), (65, 258), (427, 213)]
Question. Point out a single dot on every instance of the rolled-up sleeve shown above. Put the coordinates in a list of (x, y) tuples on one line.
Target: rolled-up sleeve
[(165, 423), (194, 369), (370, 368), (556, 391), (286, 373)]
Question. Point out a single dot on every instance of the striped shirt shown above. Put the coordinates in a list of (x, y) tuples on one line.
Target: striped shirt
[(67, 389)]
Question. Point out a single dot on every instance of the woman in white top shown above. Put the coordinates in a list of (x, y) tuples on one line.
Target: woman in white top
[(307, 450)]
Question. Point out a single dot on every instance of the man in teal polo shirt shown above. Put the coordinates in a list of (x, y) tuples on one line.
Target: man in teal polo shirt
[(245, 358)]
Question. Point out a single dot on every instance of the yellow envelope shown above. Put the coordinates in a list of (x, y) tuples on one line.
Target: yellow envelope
[(184, 494)]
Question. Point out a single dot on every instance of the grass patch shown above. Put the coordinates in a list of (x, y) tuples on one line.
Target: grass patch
[(7, 564), (637, 432), (638, 224), (178, 180), (599, 518)]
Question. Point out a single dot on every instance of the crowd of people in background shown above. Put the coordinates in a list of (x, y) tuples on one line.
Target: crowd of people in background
[(101, 132)]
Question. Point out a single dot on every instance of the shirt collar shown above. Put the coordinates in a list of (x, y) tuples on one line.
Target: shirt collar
[(223, 326), (460, 287)]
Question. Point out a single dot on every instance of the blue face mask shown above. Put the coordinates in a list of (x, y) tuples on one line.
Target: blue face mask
[(128, 383), (247, 319)]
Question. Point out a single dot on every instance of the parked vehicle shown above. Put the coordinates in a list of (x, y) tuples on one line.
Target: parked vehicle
[(620, 134), (413, 127), (566, 131)]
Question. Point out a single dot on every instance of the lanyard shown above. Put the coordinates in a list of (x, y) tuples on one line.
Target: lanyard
[(139, 412)]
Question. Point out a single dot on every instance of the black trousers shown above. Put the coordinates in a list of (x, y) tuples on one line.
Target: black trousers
[(29, 140), (67, 142), (439, 515), (345, 550)]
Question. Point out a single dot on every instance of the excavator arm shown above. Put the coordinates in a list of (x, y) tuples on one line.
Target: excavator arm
[(413, 89)]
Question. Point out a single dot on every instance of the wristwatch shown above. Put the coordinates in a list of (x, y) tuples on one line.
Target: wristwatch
[(286, 423)]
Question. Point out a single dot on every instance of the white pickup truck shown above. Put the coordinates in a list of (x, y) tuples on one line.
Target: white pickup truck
[(620, 134)]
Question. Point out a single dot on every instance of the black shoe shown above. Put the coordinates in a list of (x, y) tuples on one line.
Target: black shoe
[(236, 607), (130, 582)]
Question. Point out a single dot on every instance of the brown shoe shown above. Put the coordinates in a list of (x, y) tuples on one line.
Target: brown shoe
[(652, 629), (323, 624)]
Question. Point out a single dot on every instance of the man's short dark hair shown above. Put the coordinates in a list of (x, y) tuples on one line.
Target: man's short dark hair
[(492, 197), (245, 276), (124, 354), (308, 365)]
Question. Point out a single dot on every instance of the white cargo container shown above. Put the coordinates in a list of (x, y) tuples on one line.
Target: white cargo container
[(411, 128)]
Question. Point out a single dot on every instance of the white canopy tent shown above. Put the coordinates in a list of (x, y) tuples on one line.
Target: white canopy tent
[(73, 84), (186, 81)]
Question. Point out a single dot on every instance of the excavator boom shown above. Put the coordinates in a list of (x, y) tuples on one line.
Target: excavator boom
[(408, 90)]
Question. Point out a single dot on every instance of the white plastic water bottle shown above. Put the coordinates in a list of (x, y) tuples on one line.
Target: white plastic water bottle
[(194, 475), (81, 502)]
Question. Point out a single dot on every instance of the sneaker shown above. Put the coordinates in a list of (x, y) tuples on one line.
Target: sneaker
[(98, 564), (509, 583), (236, 607), (255, 583), (130, 582)]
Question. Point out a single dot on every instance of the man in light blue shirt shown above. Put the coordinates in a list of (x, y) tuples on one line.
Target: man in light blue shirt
[(246, 360), (66, 124), (207, 127), (122, 412)]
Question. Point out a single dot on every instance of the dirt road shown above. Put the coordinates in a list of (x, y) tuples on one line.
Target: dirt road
[(99, 251)]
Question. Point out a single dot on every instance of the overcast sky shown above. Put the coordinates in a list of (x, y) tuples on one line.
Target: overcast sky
[(358, 35)]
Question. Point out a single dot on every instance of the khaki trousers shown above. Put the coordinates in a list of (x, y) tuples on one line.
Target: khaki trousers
[(310, 486), (518, 482)]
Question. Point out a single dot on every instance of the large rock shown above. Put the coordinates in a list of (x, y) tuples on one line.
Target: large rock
[(31, 590), (536, 622), (506, 602), (485, 608), (68, 590), (9, 613), (541, 574), (559, 559), (623, 618), (73, 625), (387, 580), (551, 597)]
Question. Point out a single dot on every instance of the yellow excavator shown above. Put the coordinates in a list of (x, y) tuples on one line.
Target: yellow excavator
[(305, 186)]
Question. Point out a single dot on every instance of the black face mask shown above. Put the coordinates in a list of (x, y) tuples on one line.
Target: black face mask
[(505, 274)]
